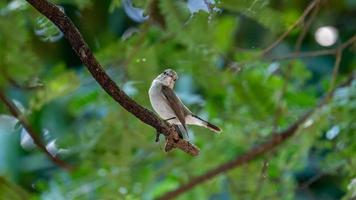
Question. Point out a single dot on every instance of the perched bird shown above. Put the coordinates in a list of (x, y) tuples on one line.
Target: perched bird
[(168, 105)]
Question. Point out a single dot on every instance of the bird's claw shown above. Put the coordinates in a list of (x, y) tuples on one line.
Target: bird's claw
[(157, 136)]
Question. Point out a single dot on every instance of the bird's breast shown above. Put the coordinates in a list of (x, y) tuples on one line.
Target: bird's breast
[(159, 102)]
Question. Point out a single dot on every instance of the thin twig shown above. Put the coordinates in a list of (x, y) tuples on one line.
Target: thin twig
[(335, 72), (155, 15), (261, 179), (303, 54), (81, 48), (317, 176), (336, 67), (296, 23), (36, 139), (338, 57), (255, 152), (311, 181), (316, 53), (348, 42), (306, 27)]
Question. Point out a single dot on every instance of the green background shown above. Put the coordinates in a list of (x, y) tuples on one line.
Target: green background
[(222, 79)]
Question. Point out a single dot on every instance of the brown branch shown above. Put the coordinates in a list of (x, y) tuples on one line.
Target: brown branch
[(36, 139), (71, 33), (155, 15), (306, 27), (304, 54), (348, 42), (310, 7), (255, 152), (336, 67), (325, 52), (319, 175)]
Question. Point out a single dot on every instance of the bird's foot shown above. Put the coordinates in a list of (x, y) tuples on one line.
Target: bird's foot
[(157, 136), (180, 134)]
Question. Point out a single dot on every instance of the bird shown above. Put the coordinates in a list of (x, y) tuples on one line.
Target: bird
[(168, 105)]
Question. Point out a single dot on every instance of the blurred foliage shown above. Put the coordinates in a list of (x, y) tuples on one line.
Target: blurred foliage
[(215, 52)]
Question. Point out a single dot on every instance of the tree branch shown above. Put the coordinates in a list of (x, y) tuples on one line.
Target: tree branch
[(325, 52), (335, 69), (310, 7), (304, 54), (36, 139), (71, 33), (306, 27), (155, 15), (255, 152)]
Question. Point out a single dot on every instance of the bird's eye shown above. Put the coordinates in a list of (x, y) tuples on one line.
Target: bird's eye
[(165, 73)]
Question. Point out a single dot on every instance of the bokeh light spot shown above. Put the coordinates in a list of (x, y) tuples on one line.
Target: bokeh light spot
[(326, 35)]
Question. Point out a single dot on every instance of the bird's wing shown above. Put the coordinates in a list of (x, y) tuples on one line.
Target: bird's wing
[(175, 103)]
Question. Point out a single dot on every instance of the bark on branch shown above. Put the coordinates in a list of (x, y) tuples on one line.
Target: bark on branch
[(71, 33)]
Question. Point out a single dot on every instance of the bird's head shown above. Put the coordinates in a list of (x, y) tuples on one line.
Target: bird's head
[(168, 78)]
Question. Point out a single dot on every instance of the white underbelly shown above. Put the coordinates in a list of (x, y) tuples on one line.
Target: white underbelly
[(160, 105)]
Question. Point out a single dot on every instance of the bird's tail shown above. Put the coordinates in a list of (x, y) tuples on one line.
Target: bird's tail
[(201, 122)]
